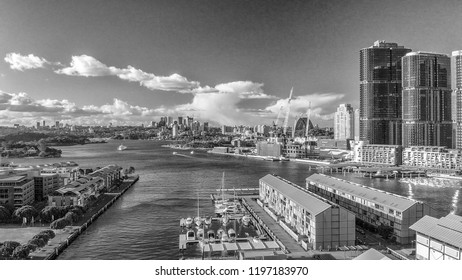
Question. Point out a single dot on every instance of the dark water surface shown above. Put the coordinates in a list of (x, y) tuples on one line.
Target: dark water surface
[(143, 224)]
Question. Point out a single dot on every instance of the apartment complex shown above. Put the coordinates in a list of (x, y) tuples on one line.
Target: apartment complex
[(325, 224), (457, 62), (16, 190), (380, 93), (372, 206), (78, 192), (438, 239), (427, 119), (433, 157), (380, 154), (110, 175)]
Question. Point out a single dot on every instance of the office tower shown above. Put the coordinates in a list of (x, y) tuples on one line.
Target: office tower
[(180, 120), (356, 129), (206, 126), (169, 121), (457, 66), (190, 121), (344, 122), (175, 130), (38, 124), (57, 124), (427, 100), (380, 93), (43, 123)]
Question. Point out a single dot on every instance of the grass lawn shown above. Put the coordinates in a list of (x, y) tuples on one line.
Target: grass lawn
[(18, 233)]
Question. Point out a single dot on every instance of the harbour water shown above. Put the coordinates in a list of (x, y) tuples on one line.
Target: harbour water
[(144, 223)]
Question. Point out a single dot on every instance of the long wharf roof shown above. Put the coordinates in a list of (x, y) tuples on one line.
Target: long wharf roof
[(447, 229), (312, 202), (384, 198)]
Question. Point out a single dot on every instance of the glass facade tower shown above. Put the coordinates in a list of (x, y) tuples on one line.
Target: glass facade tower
[(380, 93), (427, 119), (457, 60)]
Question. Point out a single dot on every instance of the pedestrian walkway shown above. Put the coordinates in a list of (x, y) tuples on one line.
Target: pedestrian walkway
[(288, 241)]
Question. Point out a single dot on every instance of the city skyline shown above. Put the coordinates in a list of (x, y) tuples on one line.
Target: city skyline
[(233, 62)]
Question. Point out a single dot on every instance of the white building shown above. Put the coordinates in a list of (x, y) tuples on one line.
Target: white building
[(433, 157), (438, 239), (344, 122)]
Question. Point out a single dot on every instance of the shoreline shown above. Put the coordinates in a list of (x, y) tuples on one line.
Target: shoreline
[(51, 252)]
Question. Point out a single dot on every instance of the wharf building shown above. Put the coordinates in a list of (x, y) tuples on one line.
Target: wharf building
[(79, 192), (110, 175), (427, 118), (433, 157), (16, 190), (344, 122), (381, 154), (438, 239), (320, 222), (372, 206), (457, 70), (380, 93)]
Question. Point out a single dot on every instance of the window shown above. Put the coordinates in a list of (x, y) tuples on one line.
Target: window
[(391, 211)]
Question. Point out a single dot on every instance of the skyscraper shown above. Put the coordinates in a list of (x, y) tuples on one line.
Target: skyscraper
[(380, 93), (427, 119), (457, 61), (356, 129), (344, 122)]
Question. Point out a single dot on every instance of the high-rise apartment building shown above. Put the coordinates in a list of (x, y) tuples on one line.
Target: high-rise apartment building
[(344, 122), (457, 62), (380, 93), (356, 128), (427, 119)]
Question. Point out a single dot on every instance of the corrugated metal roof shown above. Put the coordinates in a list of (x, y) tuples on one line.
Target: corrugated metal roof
[(373, 195), (447, 229), (372, 254), (309, 201)]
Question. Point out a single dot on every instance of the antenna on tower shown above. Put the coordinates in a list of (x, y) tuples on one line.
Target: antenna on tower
[(286, 120)]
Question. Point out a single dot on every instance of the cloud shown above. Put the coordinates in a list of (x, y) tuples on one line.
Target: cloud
[(322, 105), (88, 66), (244, 89), (25, 62)]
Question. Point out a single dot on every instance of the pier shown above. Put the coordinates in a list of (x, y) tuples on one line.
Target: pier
[(67, 235)]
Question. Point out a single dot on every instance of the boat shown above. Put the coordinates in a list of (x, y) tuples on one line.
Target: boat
[(121, 147), (231, 233), (192, 152), (246, 220), (227, 207), (174, 153)]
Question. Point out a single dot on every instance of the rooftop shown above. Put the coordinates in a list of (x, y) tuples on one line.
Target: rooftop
[(308, 200), (15, 178), (427, 54), (374, 195), (447, 229)]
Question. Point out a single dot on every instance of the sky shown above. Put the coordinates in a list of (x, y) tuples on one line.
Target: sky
[(223, 61)]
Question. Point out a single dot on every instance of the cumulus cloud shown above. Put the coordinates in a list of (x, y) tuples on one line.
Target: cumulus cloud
[(25, 62), (322, 105), (244, 89), (88, 66)]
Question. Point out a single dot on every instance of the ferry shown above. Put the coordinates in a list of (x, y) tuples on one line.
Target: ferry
[(121, 147)]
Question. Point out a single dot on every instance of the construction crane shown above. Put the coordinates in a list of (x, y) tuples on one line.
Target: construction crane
[(286, 120), (308, 114)]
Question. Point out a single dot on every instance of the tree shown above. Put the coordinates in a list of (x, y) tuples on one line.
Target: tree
[(26, 211), (60, 223), (50, 233), (71, 217), (51, 212), (21, 252), (5, 214)]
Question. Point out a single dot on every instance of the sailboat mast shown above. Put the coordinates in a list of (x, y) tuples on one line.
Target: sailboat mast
[(223, 188)]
